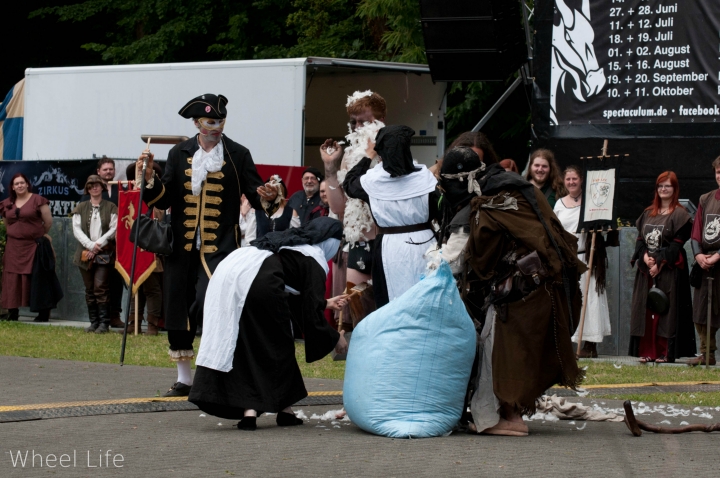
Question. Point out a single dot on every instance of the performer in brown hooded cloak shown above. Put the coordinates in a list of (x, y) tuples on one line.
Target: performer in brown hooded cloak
[(527, 265)]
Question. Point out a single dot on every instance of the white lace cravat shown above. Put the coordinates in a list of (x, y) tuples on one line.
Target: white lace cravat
[(204, 163)]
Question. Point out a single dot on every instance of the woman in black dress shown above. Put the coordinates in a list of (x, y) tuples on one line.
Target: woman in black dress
[(663, 228), (246, 364)]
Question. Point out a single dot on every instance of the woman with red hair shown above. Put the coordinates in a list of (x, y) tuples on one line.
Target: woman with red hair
[(662, 333), (27, 219)]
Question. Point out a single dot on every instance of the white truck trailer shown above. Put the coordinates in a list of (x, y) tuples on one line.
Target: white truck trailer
[(281, 110)]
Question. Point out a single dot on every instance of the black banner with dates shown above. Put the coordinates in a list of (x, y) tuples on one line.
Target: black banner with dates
[(627, 68)]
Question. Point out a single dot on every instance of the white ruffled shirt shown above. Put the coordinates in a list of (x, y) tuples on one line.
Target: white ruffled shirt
[(203, 163)]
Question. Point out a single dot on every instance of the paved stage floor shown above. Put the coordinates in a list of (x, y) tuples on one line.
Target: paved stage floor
[(184, 443)]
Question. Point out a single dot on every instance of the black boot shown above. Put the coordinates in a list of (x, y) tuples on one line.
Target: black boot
[(93, 315), (104, 318), (43, 316), (13, 314)]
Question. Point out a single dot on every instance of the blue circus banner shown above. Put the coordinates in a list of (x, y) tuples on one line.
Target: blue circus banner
[(61, 182)]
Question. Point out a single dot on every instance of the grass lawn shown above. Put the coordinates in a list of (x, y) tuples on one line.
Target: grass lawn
[(608, 373), (72, 343)]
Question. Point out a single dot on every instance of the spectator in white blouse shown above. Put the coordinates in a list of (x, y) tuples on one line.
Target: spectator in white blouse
[(94, 224)]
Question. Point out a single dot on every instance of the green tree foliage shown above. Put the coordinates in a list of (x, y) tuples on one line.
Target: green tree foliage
[(398, 24), (151, 31)]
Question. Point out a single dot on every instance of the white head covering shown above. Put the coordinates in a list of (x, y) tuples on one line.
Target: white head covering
[(321, 252)]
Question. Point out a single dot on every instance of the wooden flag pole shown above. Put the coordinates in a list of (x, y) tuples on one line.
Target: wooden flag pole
[(587, 289), (707, 325), (137, 317), (134, 256)]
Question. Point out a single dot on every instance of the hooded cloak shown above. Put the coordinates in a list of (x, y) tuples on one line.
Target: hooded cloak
[(393, 145)]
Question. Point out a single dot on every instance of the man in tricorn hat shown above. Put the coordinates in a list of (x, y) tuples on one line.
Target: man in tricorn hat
[(203, 181)]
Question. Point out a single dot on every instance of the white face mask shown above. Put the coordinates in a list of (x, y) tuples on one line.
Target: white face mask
[(211, 128)]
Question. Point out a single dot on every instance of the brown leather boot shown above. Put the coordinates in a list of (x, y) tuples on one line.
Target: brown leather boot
[(152, 328), (700, 360), (131, 324), (116, 322), (585, 352)]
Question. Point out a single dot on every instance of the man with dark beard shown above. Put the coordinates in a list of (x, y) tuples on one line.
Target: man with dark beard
[(305, 201), (544, 174), (203, 182)]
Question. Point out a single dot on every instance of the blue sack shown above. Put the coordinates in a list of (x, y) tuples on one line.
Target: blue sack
[(409, 362)]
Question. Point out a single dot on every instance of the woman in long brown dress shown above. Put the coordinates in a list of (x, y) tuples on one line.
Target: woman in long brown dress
[(27, 218), (663, 228)]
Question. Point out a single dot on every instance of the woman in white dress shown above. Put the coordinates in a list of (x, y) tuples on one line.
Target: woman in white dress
[(597, 316)]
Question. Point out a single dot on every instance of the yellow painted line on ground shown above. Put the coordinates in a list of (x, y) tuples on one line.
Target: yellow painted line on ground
[(647, 384), (90, 403), (323, 394)]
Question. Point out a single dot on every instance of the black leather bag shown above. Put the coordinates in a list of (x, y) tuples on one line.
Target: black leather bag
[(154, 236), (104, 258), (657, 300), (696, 276)]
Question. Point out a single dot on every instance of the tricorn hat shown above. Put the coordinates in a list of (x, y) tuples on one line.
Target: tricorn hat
[(92, 179), (205, 106)]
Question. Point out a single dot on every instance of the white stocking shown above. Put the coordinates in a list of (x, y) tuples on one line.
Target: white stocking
[(184, 374)]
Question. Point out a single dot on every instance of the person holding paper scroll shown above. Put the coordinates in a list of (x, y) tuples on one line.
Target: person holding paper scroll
[(663, 228), (597, 315)]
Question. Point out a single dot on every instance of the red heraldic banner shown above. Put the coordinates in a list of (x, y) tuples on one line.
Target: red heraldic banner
[(145, 262)]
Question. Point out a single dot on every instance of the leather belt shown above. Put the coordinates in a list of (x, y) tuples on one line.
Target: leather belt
[(405, 229)]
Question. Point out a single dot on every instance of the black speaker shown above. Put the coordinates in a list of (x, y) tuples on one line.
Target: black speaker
[(473, 40)]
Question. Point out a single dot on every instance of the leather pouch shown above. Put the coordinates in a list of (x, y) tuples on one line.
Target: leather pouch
[(531, 265), (104, 258)]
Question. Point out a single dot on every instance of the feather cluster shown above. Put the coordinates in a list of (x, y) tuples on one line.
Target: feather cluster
[(358, 219), (356, 96)]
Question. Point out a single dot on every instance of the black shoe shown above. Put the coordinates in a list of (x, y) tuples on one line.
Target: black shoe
[(248, 424), (102, 328), (13, 315), (178, 389), (284, 419), (92, 327), (198, 331), (43, 316)]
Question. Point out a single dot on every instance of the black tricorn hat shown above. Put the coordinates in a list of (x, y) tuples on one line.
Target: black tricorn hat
[(205, 106)]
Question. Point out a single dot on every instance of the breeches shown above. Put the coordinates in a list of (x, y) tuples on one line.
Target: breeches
[(97, 284), (702, 332), (150, 293), (195, 286)]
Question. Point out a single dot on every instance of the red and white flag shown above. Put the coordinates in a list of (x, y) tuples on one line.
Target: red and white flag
[(145, 262)]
